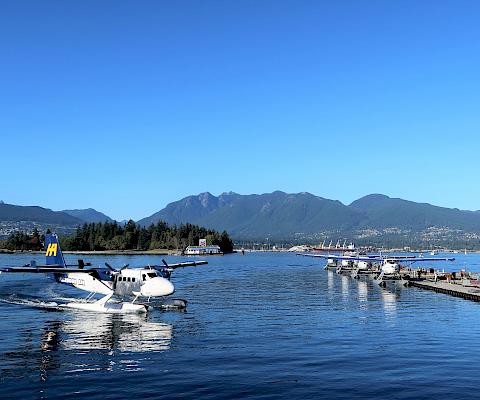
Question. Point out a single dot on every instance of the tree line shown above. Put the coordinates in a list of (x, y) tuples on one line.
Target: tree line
[(24, 241), (129, 236)]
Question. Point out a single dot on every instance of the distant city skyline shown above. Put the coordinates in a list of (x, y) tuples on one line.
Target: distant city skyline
[(125, 106)]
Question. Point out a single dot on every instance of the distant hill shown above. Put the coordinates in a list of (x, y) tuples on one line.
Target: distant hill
[(374, 219), (189, 209), (265, 215), (280, 215), (383, 212), (88, 215), (14, 213), (15, 218)]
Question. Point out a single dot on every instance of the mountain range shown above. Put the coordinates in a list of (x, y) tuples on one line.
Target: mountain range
[(26, 218), (14, 213), (373, 219), (88, 215), (282, 216), (254, 216)]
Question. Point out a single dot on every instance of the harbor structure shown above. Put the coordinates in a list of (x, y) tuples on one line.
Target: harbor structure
[(203, 249)]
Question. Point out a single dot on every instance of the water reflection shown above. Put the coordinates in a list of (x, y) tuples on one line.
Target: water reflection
[(362, 291), (330, 282), (103, 334), (345, 287), (389, 304), (115, 332)]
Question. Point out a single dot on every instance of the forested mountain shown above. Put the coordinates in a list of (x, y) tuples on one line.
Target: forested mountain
[(270, 214), (280, 215), (373, 219), (14, 213), (88, 215), (382, 212), (14, 218)]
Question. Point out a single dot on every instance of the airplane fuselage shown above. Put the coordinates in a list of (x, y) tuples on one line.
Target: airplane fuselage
[(127, 282)]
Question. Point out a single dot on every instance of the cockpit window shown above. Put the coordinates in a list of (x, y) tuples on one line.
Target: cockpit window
[(152, 274)]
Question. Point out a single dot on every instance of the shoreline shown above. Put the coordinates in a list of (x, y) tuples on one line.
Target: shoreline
[(167, 252), (159, 252)]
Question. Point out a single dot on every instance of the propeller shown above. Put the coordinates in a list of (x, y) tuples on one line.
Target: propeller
[(110, 267), (116, 270)]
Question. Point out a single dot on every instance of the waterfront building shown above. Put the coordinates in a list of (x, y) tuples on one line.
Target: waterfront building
[(202, 250)]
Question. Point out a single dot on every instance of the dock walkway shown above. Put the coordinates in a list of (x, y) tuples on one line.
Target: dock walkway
[(457, 290)]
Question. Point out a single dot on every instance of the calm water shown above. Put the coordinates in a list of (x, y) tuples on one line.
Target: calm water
[(258, 326)]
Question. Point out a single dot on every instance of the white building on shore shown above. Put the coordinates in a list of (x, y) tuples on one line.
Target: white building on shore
[(202, 250)]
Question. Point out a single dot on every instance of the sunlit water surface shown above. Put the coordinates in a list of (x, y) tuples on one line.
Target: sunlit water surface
[(259, 326)]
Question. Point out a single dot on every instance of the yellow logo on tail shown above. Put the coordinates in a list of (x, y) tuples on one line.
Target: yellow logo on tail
[(51, 250)]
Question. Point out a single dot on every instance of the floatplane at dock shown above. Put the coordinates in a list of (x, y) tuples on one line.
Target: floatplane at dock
[(384, 269), (338, 248)]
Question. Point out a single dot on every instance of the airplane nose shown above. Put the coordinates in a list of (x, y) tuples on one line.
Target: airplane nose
[(157, 287), (167, 287)]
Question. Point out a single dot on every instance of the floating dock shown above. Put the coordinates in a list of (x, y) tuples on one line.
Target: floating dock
[(453, 289)]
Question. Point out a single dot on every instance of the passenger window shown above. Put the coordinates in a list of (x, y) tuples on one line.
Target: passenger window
[(128, 279), (133, 279), (144, 277)]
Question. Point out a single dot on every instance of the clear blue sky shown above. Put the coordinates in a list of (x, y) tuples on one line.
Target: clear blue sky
[(125, 106)]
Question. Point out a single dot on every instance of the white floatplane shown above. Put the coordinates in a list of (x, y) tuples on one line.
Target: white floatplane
[(149, 282), (384, 269), (348, 262)]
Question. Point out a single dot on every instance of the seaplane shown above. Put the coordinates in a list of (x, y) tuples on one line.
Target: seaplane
[(337, 248), (114, 284), (346, 263), (384, 268)]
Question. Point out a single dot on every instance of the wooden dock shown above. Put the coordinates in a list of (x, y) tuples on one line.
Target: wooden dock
[(453, 289)]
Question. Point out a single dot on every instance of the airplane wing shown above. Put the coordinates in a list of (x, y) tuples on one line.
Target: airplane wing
[(377, 257), (315, 255), (349, 258), (420, 259), (45, 270), (183, 264), (166, 270), (51, 269)]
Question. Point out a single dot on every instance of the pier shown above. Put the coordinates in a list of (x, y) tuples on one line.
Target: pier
[(453, 289)]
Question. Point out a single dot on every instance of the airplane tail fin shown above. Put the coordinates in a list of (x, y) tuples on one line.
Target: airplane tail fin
[(53, 253)]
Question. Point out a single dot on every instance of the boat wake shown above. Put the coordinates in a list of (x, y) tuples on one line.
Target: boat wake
[(31, 302)]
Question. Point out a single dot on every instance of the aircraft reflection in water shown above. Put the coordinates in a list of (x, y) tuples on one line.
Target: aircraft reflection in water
[(388, 296), (389, 299), (362, 291), (107, 335), (330, 282), (345, 288)]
